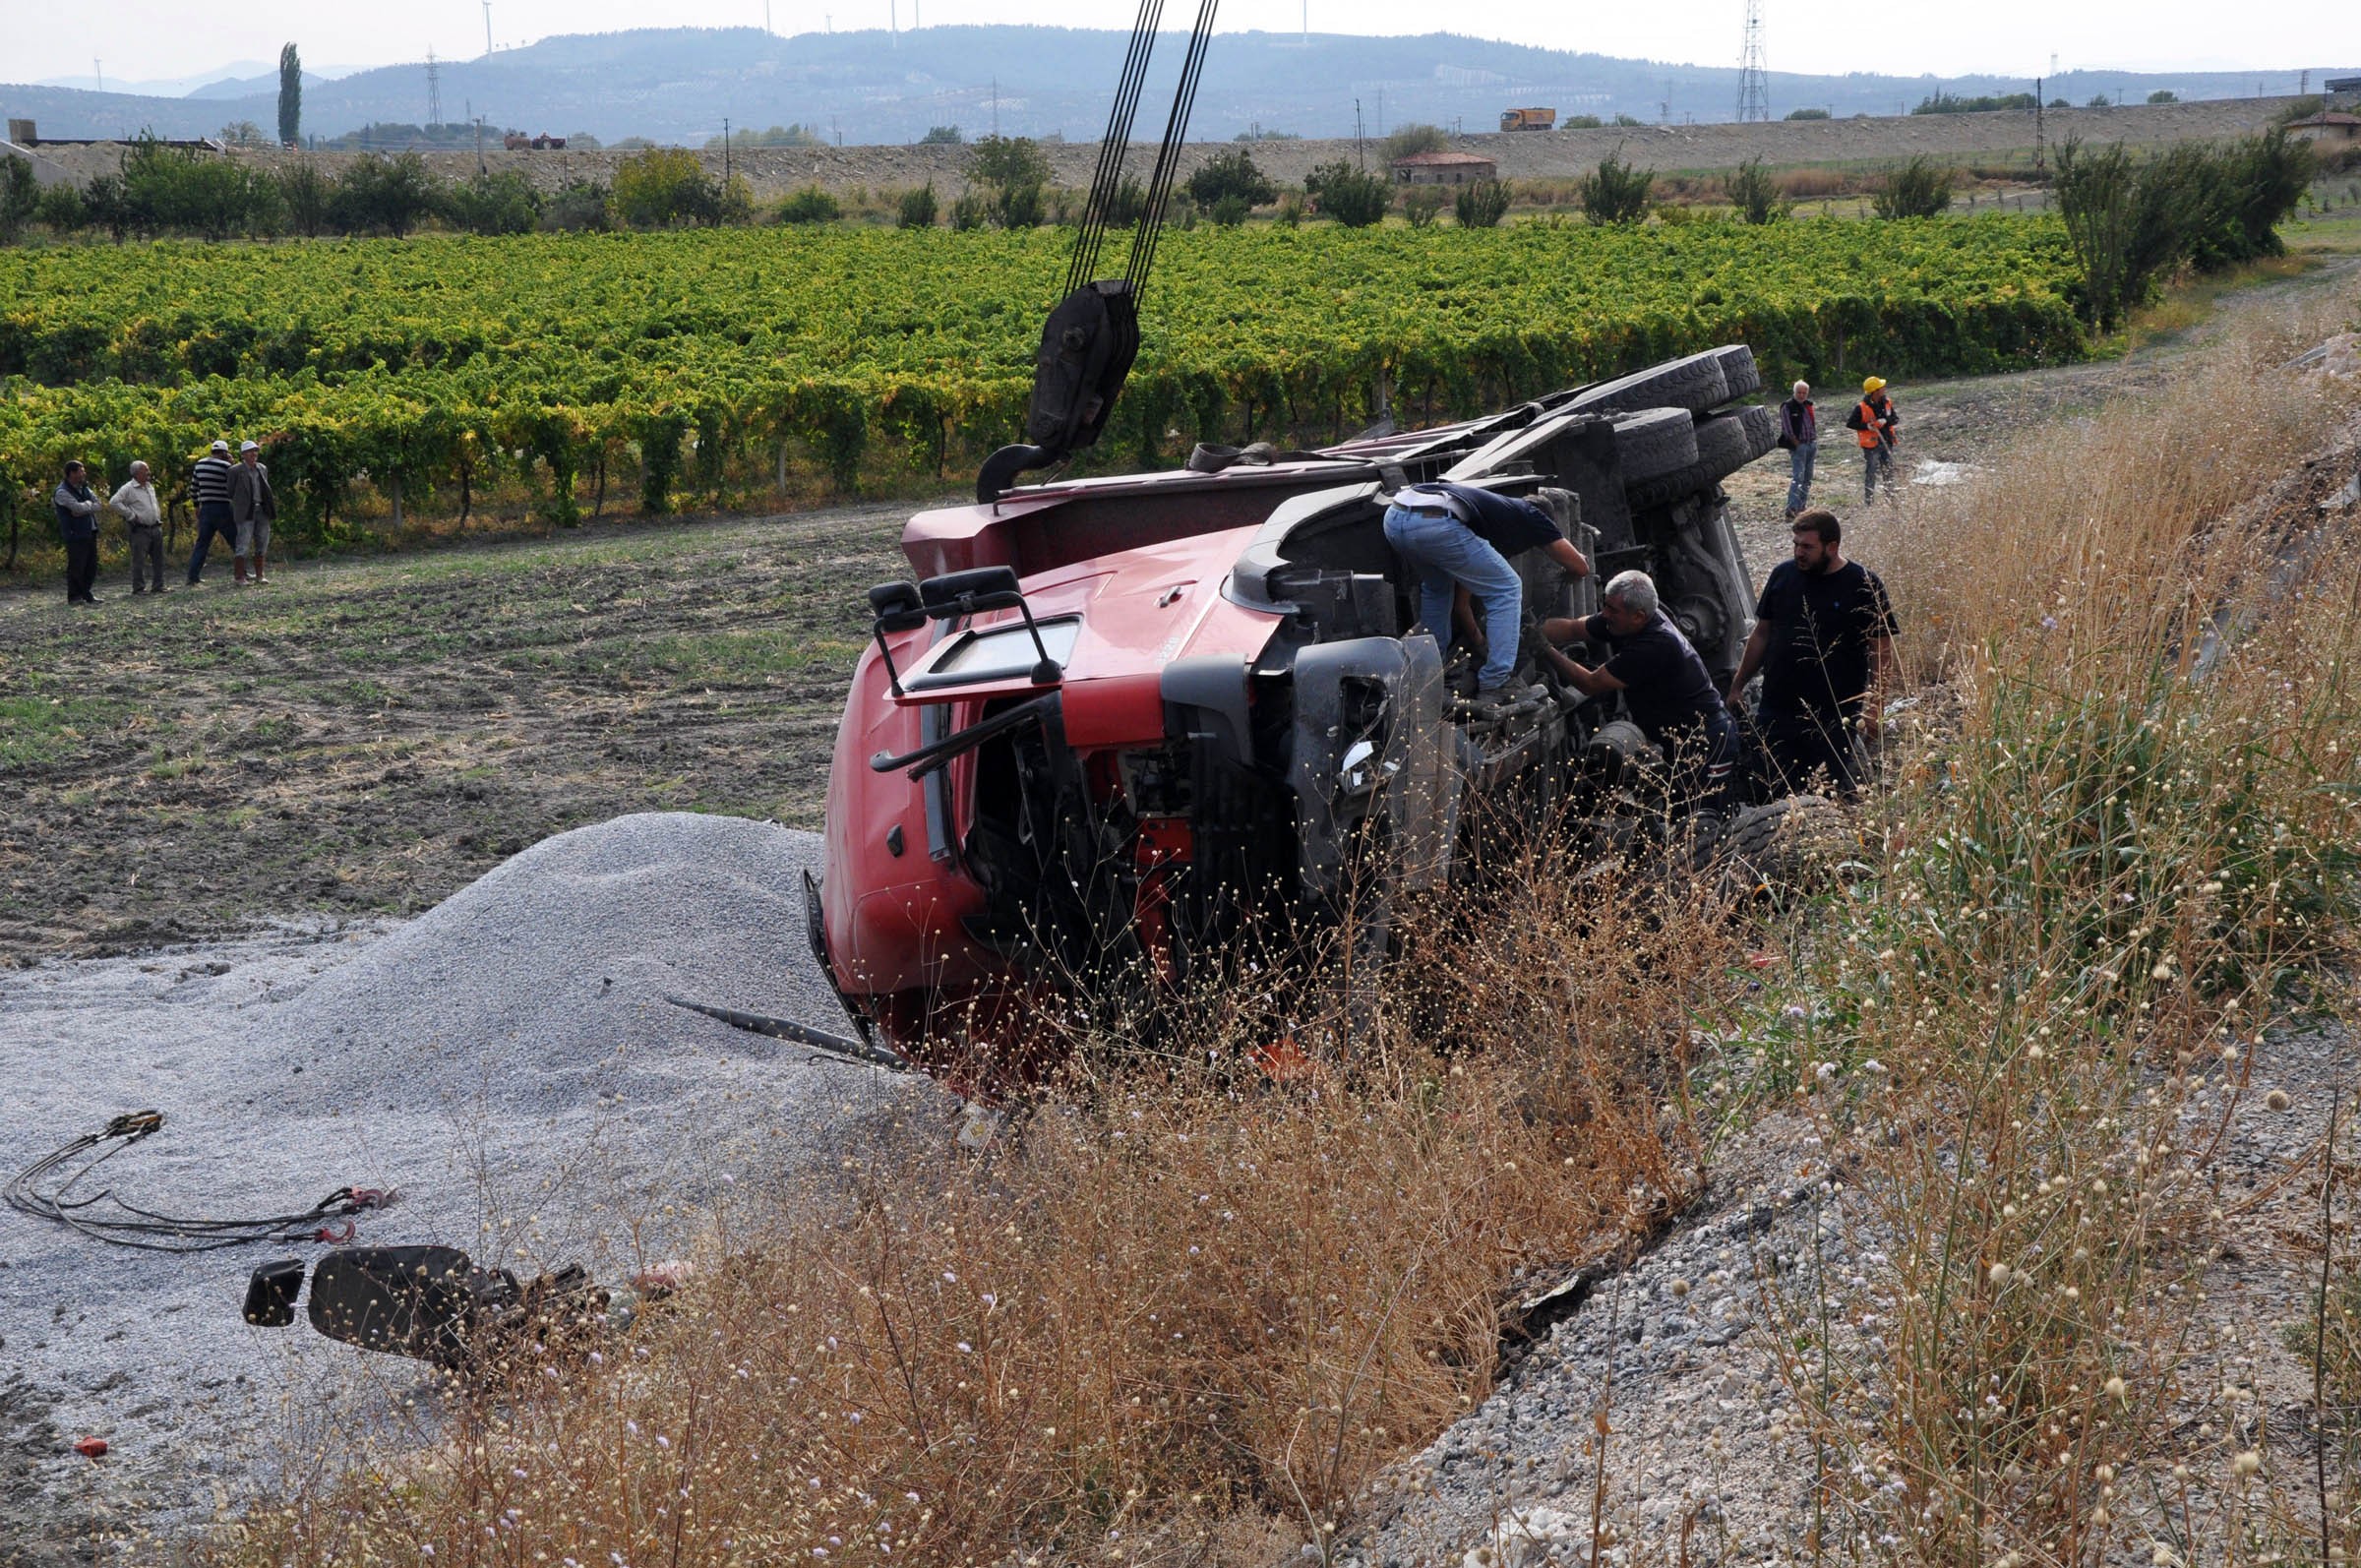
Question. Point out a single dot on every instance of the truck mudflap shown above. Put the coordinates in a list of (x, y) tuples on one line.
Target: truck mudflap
[(1367, 764)]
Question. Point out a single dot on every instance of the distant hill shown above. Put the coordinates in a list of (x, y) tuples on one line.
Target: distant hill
[(678, 83)]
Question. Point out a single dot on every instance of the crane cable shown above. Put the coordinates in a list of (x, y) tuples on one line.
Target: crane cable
[(45, 1190), (1106, 182)]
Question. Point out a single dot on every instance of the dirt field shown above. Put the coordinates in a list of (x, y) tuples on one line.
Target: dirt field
[(365, 737), (1556, 154)]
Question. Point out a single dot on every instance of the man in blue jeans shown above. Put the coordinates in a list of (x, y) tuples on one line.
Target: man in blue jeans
[(1800, 432), (208, 487), (1459, 539)]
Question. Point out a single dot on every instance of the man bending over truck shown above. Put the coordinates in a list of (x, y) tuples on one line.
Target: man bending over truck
[(1664, 683), (1457, 539)]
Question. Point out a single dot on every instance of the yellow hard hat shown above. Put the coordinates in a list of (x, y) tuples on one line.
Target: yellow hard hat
[(1873, 383)]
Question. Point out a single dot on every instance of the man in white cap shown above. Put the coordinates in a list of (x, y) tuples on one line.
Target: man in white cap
[(252, 508), (208, 487), (135, 503)]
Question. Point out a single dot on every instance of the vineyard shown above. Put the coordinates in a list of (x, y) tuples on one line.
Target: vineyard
[(709, 367)]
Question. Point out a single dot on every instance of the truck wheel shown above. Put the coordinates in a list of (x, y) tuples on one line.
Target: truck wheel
[(1725, 443), (1789, 845), (1739, 370), (1652, 443), (1694, 382)]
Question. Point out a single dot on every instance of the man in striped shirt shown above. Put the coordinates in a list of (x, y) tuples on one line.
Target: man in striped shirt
[(209, 486)]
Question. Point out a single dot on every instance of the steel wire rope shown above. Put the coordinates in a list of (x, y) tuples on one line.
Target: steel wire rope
[(1168, 154), (1114, 147)]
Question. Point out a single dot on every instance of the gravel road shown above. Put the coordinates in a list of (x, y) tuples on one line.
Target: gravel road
[(506, 1060)]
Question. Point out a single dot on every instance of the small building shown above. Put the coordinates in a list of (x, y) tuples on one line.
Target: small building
[(2328, 129), (2342, 87), (1444, 168)]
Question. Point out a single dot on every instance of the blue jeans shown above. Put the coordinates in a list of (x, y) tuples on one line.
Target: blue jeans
[(1800, 475), (1446, 552), (212, 518)]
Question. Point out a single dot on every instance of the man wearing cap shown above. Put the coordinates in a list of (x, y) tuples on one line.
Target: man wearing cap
[(1873, 423), (78, 526), (1800, 432), (252, 508), (1664, 685), (134, 502), (1459, 538), (208, 487)]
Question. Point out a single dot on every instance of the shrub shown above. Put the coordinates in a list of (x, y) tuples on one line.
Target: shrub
[(663, 186), (1346, 194), (306, 196), (1629, 121), (971, 212), (1421, 203), (1007, 160), (810, 205), (941, 136), (2100, 101), (1231, 210), (1920, 188), (1580, 122), (1481, 204), (2163, 96), (1755, 194), (1616, 192), (1291, 211), (388, 196), (494, 204), (916, 208), (1020, 207), (19, 194), (584, 206), (1226, 175), (1941, 102), (1405, 140), (60, 209), (1807, 114)]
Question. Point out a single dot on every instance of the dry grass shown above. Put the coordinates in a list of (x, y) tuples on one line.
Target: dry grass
[(2130, 851)]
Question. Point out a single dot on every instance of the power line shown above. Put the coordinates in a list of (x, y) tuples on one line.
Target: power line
[(1754, 83), (434, 89)]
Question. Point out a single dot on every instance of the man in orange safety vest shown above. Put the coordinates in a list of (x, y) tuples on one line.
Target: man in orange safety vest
[(1873, 423)]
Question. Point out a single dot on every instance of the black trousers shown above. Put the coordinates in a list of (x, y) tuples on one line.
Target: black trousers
[(212, 518), (1812, 751), (82, 569)]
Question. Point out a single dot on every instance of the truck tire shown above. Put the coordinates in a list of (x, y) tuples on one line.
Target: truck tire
[(1654, 443), (1694, 382), (1725, 443), (1785, 846), (1739, 370)]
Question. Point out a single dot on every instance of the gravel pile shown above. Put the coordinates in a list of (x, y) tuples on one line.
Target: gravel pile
[(507, 1060)]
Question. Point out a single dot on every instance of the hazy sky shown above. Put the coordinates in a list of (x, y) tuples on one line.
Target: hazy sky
[(160, 38)]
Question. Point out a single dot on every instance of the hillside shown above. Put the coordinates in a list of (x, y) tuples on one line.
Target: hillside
[(678, 83)]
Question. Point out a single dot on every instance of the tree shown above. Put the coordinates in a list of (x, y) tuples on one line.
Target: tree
[(1421, 203), (1920, 188), (2101, 102), (290, 96), (941, 136), (1807, 114), (583, 206), (1346, 194), (665, 186), (240, 133), (306, 195), (494, 204), (1226, 175), (1006, 162), (917, 207), (1481, 204), (2163, 96), (810, 205), (1405, 140), (387, 195), (1755, 194), (1616, 192), (20, 194)]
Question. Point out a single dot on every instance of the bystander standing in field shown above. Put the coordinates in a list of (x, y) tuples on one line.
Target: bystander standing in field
[(1823, 640), (77, 525), (252, 508), (1800, 432), (1873, 423), (1664, 683), (209, 486), (135, 503)]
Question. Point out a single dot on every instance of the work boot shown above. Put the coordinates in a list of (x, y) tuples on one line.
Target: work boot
[(238, 566), (260, 561)]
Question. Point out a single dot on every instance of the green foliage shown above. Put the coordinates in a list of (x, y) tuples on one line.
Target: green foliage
[(811, 204), (2131, 223), (776, 136), (60, 209), (2100, 101), (384, 195), (1228, 175), (240, 133), (1130, 203), (2163, 96), (1941, 102), (1920, 188), (1346, 194), (1405, 140), (1755, 194), (584, 206), (941, 136), (1626, 121), (1020, 207), (1421, 203), (1615, 192), (19, 196), (306, 197), (494, 204), (2301, 109), (1482, 204), (1006, 162), (1231, 210), (665, 187), (970, 213), (290, 96), (1807, 114), (917, 206), (1580, 122), (183, 191)]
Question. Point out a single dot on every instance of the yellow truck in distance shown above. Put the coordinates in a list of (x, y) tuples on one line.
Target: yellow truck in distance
[(1529, 120)]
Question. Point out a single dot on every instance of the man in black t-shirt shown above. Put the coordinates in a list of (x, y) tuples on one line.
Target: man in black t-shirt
[(1664, 683), (1823, 640)]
